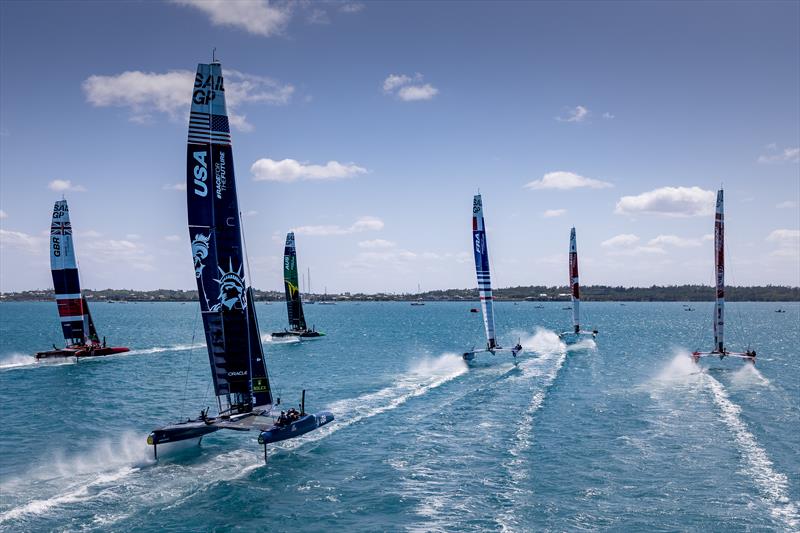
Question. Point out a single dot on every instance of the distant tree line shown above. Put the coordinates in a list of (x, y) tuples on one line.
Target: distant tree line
[(597, 293)]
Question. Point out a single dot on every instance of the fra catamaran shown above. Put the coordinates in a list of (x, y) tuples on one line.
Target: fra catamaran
[(238, 369), (481, 253), (77, 325), (719, 304), (576, 333), (294, 303)]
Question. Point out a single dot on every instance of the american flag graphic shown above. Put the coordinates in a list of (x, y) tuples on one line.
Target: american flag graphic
[(60, 228), (206, 128)]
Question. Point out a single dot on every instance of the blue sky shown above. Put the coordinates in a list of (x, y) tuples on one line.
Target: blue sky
[(368, 126)]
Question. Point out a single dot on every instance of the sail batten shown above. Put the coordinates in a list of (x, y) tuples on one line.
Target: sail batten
[(226, 301), (719, 269), (294, 304), (481, 253), (574, 281)]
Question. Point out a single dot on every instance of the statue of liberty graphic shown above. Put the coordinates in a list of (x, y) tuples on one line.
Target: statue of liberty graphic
[(231, 289)]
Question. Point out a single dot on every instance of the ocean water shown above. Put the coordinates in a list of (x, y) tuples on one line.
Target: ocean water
[(623, 434)]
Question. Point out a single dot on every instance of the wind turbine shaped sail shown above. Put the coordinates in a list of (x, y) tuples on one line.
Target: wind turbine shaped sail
[(227, 304), (481, 253), (77, 326), (719, 302), (575, 289)]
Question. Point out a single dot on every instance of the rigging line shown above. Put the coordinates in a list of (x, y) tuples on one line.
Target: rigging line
[(246, 314), (189, 361)]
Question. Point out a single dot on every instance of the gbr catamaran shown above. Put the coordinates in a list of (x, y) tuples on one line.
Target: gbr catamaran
[(235, 353), (80, 335), (719, 304), (481, 253), (576, 333), (294, 303)]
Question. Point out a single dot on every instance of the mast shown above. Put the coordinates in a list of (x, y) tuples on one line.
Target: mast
[(226, 302), (294, 305), (73, 310), (573, 281), (719, 268), (481, 253)]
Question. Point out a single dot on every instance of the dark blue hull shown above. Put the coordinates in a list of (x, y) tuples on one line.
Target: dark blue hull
[(302, 426)]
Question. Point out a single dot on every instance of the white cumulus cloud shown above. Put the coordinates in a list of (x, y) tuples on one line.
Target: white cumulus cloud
[(145, 93), (409, 88), (575, 114), (785, 236), (3, 214), (788, 204), (674, 240), (566, 180), (21, 241), (775, 155), (376, 243), (365, 223), (180, 186), (550, 213), (259, 17), (625, 239), (289, 170), (65, 185), (669, 201)]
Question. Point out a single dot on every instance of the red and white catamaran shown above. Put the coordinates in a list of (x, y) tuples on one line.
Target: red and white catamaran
[(576, 333), (719, 349)]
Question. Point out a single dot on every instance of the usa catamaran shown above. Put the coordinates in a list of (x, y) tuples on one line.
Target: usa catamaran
[(576, 333), (719, 304), (238, 369), (481, 253), (77, 325), (294, 303)]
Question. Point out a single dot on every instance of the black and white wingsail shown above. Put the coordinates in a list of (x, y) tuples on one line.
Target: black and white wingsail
[(481, 252), (235, 353), (719, 349), (576, 333)]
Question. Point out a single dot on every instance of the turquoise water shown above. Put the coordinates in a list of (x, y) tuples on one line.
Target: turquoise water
[(625, 434)]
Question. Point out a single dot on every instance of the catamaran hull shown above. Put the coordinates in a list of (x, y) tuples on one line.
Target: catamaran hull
[(295, 429), (179, 432), (81, 352), (747, 356), (569, 337), (470, 356), (297, 334)]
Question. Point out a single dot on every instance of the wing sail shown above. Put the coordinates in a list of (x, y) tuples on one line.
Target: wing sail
[(719, 269), (294, 305), (574, 281), (215, 230), (73, 310), (481, 253)]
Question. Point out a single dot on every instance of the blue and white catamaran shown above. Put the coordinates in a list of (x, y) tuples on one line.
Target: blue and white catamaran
[(576, 333), (719, 349), (481, 253), (235, 353)]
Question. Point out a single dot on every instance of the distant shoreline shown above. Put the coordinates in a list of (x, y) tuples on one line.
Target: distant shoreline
[(593, 293)]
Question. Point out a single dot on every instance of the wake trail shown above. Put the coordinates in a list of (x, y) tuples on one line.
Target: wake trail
[(159, 349), (555, 351), (16, 360), (773, 485), (115, 476)]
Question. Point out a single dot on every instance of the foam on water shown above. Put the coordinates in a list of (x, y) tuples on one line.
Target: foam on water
[(749, 376), (160, 349), (16, 360), (75, 478), (773, 485), (267, 338)]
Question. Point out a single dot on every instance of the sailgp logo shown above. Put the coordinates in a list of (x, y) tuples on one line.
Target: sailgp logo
[(200, 173)]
